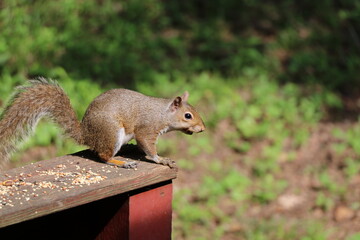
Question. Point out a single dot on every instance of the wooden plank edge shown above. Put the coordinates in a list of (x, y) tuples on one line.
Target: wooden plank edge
[(152, 176)]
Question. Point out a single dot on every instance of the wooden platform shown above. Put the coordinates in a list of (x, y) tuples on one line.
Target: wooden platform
[(76, 183)]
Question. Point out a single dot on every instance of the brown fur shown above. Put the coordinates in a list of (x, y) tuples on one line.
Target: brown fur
[(143, 118)]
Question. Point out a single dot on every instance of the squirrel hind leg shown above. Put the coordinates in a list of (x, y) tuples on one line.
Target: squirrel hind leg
[(122, 164), (108, 159)]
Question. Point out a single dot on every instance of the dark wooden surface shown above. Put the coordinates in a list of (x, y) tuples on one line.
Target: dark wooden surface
[(140, 214), (61, 183)]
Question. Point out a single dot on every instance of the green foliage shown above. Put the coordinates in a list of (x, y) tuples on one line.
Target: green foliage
[(348, 141), (355, 236), (268, 188), (131, 40), (201, 144), (201, 207), (330, 184), (352, 167), (324, 202), (274, 114), (280, 230), (265, 71), (349, 138), (140, 40), (232, 183)]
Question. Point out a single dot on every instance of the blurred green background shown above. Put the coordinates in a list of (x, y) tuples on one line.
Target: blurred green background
[(277, 83)]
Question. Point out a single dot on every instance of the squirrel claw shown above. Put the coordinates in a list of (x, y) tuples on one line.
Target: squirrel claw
[(168, 162), (130, 165), (162, 160)]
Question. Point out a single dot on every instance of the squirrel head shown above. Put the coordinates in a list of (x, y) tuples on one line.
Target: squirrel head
[(187, 119)]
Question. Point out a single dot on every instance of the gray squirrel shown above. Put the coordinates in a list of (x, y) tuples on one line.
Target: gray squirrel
[(111, 120)]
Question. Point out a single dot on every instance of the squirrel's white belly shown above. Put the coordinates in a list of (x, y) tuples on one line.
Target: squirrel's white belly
[(122, 138)]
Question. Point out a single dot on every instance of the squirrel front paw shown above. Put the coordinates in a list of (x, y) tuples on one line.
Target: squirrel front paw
[(167, 162), (130, 165), (162, 160)]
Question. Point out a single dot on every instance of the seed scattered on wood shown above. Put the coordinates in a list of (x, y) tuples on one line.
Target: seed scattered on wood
[(8, 183)]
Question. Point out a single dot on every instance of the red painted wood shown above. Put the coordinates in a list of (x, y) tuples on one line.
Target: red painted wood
[(150, 214), (144, 214)]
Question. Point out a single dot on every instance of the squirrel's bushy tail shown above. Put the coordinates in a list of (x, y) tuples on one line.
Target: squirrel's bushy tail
[(28, 105)]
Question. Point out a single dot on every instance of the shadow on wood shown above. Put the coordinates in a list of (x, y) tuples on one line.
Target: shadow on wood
[(128, 151)]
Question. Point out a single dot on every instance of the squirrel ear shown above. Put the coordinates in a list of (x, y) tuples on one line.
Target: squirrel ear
[(185, 96), (176, 104)]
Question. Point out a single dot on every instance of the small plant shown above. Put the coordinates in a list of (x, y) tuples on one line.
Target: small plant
[(324, 202), (268, 189), (331, 185), (352, 167)]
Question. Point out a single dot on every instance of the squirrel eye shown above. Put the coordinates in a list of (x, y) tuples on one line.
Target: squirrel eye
[(188, 116)]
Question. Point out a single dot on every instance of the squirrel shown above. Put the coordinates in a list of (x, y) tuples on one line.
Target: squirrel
[(111, 120)]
